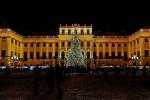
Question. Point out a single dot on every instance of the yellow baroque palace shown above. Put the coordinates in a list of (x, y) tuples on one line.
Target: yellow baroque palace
[(98, 50)]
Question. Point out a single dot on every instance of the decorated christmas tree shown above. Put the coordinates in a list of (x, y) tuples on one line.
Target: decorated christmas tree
[(74, 55)]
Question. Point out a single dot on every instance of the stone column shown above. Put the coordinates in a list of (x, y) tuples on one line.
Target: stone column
[(109, 44), (97, 50), (59, 48), (141, 41), (85, 45), (149, 47), (34, 51), (41, 46), (66, 46), (28, 50), (122, 51), (8, 51), (129, 49), (53, 49), (0, 46), (116, 51), (47, 46), (103, 46), (136, 47), (21, 50)]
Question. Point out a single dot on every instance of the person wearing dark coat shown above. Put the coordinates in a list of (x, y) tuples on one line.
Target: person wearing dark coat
[(36, 78), (59, 74), (50, 77)]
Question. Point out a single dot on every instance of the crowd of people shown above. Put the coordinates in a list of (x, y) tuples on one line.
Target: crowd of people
[(55, 75)]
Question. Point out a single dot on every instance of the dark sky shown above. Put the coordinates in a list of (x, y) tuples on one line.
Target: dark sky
[(45, 16)]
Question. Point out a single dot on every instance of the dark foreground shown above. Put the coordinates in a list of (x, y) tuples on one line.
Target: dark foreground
[(76, 87)]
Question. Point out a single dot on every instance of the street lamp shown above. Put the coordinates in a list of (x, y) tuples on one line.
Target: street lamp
[(14, 58), (135, 58)]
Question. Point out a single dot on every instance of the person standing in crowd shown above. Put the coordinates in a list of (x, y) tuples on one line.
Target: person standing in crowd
[(36, 77), (59, 74), (144, 71), (50, 77)]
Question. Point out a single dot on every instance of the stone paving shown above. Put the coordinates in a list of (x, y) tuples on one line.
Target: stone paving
[(77, 87)]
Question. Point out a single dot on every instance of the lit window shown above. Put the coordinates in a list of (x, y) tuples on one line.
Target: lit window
[(44, 44), (63, 31)]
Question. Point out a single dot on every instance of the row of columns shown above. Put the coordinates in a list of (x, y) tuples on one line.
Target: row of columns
[(41, 50), (109, 49)]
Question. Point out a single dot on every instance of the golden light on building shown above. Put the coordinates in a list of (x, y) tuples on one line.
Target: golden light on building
[(102, 49)]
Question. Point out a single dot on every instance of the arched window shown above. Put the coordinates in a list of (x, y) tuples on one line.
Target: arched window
[(88, 55), (62, 55)]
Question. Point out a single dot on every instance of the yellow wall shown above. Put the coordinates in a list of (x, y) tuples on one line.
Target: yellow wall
[(134, 43)]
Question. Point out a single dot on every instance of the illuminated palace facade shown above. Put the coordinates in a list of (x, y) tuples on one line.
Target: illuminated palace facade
[(98, 50)]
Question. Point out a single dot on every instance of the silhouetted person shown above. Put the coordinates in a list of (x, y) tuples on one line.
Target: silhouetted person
[(59, 79), (104, 71), (126, 71), (36, 77), (50, 77), (144, 71), (134, 69)]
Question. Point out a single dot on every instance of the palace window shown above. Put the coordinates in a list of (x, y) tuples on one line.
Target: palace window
[(88, 44), (106, 55), (82, 32), (63, 44), (31, 44), (56, 44), (138, 54), (100, 44), (113, 44), (88, 55), (50, 44), (31, 55), (44, 44), (37, 55), (100, 55), (137, 40), (113, 55), (37, 44), (106, 44), (94, 44), (56, 55), (146, 40), (3, 39), (125, 44), (94, 55), (119, 54), (146, 53), (88, 32), (12, 40), (69, 44), (119, 45), (25, 44), (69, 32), (81, 44), (25, 56), (3, 53), (63, 31), (15, 42), (50, 55), (125, 56), (75, 32), (44, 55)]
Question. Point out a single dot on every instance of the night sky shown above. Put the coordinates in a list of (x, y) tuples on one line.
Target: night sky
[(45, 16)]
